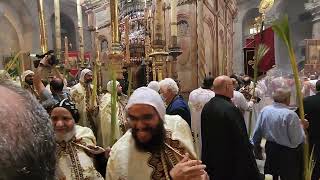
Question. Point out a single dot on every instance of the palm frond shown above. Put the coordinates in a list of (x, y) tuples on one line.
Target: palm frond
[(281, 28), (260, 52), (15, 62), (94, 94), (114, 97)]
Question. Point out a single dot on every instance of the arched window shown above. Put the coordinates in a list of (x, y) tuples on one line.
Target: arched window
[(104, 45)]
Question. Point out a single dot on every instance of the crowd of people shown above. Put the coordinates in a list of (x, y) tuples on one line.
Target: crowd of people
[(58, 132)]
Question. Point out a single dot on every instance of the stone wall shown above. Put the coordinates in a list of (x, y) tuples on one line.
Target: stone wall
[(20, 27), (300, 25)]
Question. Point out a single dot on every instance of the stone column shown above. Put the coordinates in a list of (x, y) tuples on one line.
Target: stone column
[(200, 42), (314, 9), (57, 27), (43, 30), (158, 43), (80, 31)]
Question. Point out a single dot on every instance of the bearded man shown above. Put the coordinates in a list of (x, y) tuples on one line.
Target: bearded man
[(104, 123), (75, 144), (158, 146), (27, 82), (81, 94)]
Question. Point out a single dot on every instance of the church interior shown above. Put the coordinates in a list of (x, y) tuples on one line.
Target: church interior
[(145, 40)]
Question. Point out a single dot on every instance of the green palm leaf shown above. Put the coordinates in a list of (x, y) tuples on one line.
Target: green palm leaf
[(260, 52), (281, 28), (114, 97), (15, 62)]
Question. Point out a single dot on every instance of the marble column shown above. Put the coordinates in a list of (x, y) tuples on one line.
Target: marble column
[(314, 8)]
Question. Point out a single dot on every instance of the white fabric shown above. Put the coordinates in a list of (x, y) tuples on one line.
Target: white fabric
[(65, 162), (197, 99), (78, 96), (147, 96), (83, 73), (154, 85), (104, 122), (109, 85), (313, 88), (240, 102), (25, 74), (127, 162)]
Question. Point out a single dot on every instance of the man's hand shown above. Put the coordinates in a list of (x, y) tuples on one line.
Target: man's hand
[(188, 169), (258, 152), (107, 152), (45, 61), (304, 123)]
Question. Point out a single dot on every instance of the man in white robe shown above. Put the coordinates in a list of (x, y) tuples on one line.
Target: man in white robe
[(27, 82), (81, 94), (156, 145), (197, 99), (239, 100), (76, 145), (104, 122)]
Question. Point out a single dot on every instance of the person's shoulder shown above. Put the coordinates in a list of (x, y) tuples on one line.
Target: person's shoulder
[(267, 108), (180, 131), (75, 87), (314, 98), (122, 146), (106, 96), (85, 134), (172, 121), (179, 101)]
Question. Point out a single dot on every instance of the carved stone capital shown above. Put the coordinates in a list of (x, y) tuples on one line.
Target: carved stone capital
[(314, 9)]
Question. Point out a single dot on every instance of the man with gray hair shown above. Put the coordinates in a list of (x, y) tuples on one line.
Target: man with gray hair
[(176, 105), (27, 142), (284, 134)]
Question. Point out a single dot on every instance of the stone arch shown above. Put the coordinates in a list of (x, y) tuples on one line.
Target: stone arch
[(184, 37), (104, 43), (247, 21), (67, 30), (16, 13)]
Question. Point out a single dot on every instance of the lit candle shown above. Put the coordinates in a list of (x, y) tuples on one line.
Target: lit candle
[(174, 30)]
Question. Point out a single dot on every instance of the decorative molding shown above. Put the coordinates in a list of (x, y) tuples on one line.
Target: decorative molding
[(184, 2), (314, 9)]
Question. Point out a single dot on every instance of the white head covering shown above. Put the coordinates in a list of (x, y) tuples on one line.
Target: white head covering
[(147, 96), (83, 73), (25, 74), (154, 85), (109, 85)]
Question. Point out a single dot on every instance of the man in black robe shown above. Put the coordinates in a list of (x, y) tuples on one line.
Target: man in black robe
[(312, 109), (226, 149)]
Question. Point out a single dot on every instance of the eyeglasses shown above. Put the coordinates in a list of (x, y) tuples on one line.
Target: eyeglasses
[(145, 117)]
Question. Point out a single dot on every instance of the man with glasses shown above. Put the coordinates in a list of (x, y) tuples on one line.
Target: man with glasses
[(158, 146)]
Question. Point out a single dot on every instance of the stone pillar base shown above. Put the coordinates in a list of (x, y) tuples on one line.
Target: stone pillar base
[(158, 59)]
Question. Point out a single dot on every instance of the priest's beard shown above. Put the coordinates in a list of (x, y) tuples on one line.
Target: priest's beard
[(65, 137), (156, 142)]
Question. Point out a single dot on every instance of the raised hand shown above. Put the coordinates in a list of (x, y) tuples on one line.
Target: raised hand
[(188, 169)]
